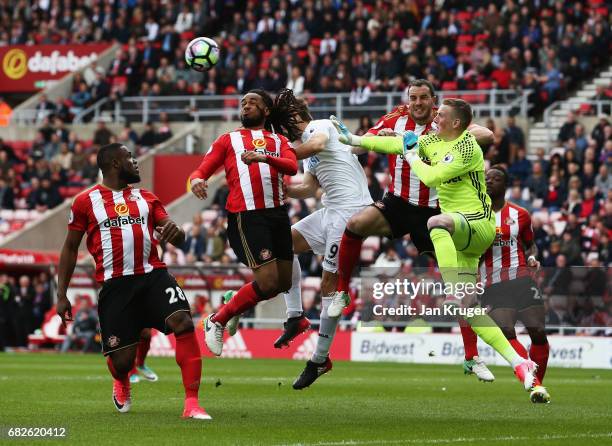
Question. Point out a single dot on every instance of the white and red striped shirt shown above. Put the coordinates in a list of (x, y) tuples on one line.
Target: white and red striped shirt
[(404, 182), (255, 186), (505, 259), (119, 226)]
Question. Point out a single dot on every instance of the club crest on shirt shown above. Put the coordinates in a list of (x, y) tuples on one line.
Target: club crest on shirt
[(113, 341), (509, 221), (448, 158), (122, 209), (265, 254), (133, 197)]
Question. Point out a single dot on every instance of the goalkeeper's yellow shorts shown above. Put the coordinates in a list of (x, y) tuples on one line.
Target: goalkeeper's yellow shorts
[(472, 237)]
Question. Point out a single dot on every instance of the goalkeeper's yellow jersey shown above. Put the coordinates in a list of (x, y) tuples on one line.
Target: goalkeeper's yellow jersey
[(457, 172)]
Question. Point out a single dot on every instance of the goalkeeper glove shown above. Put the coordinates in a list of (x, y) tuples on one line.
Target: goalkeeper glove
[(345, 136), (411, 145)]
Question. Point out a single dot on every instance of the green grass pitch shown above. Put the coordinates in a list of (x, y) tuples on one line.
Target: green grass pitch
[(252, 402)]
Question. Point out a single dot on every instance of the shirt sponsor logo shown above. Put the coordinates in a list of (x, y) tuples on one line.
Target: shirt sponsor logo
[(123, 221), (122, 209), (259, 143)]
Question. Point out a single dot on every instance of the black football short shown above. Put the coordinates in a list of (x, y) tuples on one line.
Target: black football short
[(405, 218), (518, 294), (260, 236), (128, 304)]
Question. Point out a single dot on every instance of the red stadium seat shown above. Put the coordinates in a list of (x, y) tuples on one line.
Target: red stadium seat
[(119, 81), (463, 16), (315, 42), (465, 39), (464, 49), (450, 85), (585, 109), (484, 85), (480, 37), (187, 35)]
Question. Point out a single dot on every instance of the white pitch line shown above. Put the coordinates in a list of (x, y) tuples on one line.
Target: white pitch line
[(452, 440)]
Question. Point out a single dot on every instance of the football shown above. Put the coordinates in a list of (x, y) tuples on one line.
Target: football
[(202, 53)]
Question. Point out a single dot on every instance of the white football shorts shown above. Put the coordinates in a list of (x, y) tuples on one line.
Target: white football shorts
[(323, 231)]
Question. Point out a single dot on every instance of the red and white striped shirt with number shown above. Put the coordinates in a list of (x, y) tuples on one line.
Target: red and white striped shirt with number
[(505, 259), (119, 227), (254, 186), (405, 183)]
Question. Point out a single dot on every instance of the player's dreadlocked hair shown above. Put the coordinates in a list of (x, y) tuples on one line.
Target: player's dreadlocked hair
[(284, 111)]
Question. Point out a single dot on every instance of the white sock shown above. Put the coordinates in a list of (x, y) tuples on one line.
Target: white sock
[(327, 331), (293, 299)]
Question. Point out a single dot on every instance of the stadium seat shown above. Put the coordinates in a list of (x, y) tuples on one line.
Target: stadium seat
[(449, 86), (465, 39), (464, 49)]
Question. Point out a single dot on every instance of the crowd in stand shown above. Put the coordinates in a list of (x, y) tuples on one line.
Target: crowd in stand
[(57, 164), (23, 303), (336, 46), (323, 46)]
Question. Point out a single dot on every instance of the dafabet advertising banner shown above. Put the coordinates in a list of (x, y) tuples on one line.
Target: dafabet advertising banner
[(29, 68)]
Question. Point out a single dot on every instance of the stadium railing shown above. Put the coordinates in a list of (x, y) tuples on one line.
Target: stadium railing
[(485, 103), (556, 114)]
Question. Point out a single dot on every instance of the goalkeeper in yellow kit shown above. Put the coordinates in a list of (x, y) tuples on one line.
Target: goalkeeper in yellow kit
[(466, 227)]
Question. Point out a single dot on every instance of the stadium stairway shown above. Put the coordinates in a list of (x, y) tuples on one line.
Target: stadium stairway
[(542, 133)]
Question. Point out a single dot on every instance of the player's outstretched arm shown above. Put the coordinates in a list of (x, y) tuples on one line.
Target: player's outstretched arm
[(483, 135), (308, 188), (314, 145), (212, 161), (381, 144), (67, 262), (452, 165)]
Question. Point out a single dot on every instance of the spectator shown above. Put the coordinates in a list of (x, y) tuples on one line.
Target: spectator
[(45, 197), (195, 244), (521, 168), (41, 303), (551, 80), (102, 135), (44, 108), (84, 328), (149, 136), (173, 255), (64, 157), (558, 279), (361, 93), (296, 81), (603, 181), (537, 182), (90, 171), (514, 133), (80, 98), (568, 129), (21, 310), (516, 196)]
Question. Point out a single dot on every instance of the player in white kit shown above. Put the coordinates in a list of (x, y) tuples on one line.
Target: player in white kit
[(331, 166)]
